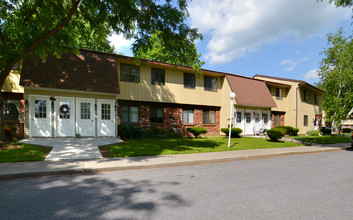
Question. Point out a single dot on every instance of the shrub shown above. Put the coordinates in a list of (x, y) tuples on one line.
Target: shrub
[(274, 134), (10, 133), (197, 131), (295, 131), (326, 131), (312, 133), (347, 130), (235, 132), (129, 131)]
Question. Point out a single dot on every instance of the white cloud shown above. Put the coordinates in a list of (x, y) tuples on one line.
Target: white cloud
[(237, 27), (312, 74), (286, 62), (121, 44)]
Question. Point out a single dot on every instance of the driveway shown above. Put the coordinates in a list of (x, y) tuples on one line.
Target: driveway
[(72, 148)]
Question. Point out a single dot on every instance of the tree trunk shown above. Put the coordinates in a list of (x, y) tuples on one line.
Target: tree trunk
[(2, 136)]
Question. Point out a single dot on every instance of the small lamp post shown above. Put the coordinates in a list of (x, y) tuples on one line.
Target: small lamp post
[(232, 97)]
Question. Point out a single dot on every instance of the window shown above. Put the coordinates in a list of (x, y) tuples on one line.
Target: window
[(189, 80), (40, 109), (305, 120), (129, 73), (305, 96), (256, 116), (85, 110), (276, 120), (316, 98), (210, 83), (238, 117), (269, 89), (64, 110), (129, 114), (157, 76), (12, 109), (209, 117), (188, 116), (265, 118), (105, 111), (278, 93), (156, 115), (247, 116)]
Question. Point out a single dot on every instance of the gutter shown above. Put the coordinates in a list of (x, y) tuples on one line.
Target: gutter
[(296, 104)]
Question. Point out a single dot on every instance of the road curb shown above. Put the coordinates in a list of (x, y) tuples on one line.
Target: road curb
[(87, 170)]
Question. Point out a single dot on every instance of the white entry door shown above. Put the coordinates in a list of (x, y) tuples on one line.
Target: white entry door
[(249, 130), (40, 116), (85, 121), (106, 118), (65, 117)]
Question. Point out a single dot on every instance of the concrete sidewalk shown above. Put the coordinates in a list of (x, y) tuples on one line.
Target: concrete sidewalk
[(27, 169)]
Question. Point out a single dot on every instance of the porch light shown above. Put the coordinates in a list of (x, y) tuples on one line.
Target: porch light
[(232, 97)]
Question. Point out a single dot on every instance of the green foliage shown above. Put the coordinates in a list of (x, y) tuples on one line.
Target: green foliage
[(160, 133), (326, 131), (325, 139), (312, 133), (275, 133), (25, 153), (289, 130), (341, 3), (336, 75), (235, 132), (129, 131), (347, 130), (10, 133), (157, 51), (197, 131)]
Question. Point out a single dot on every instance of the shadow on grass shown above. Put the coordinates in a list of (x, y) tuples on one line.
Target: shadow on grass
[(277, 141)]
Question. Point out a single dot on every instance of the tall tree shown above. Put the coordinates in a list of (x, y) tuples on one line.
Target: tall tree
[(340, 3), (336, 74), (156, 50), (38, 27)]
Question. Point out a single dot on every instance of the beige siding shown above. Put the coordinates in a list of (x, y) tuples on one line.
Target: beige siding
[(172, 92)]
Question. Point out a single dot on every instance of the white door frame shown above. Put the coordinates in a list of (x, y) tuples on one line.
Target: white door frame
[(72, 116), (110, 122), (31, 117), (92, 133)]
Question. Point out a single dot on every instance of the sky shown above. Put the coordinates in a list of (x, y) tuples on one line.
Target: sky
[(281, 38)]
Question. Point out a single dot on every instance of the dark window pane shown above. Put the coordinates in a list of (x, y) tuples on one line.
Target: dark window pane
[(189, 80)]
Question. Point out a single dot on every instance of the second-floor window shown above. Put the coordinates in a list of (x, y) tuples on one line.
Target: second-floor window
[(157, 76), (189, 80), (305, 96), (316, 98), (279, 92), (188, 116), (305, 120), (209, 117), (129, 114), (210, 83), (129, 73), (156, 115)]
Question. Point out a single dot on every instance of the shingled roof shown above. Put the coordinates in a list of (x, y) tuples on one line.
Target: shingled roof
[(250, 92), (89, 71)]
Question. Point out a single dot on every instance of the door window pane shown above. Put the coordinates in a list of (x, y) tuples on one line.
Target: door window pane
[(247, 117), (265, 118), (85, 110), (105, 111), (238, 117), (64, 110), (40, 109)]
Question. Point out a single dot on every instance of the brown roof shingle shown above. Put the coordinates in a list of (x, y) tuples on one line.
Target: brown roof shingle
[(88, 71), (250, 92)]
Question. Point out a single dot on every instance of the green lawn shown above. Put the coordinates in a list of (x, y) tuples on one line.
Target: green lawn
[(25, 153), (327, 139), (152, 146)]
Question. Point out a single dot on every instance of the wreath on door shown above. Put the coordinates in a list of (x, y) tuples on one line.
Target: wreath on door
[(64, 109)]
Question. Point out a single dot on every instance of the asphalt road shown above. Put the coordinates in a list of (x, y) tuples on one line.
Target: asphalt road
[(310, 186)]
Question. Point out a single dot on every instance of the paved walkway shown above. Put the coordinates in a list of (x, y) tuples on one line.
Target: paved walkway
[(25, 169), (72, 148)]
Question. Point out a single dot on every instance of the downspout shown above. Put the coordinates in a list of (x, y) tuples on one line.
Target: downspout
[(296, 105)]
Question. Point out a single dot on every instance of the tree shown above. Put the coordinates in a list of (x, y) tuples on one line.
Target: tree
[(37, 27), (336, 74), (341, 3), (157, 51)]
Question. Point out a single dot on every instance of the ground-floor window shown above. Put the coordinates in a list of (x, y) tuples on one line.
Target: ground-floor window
[(238, 117), (129, 114), (209, 117), (305, 120), (188, 116), (156, 115), (247, 116), (265, 118)]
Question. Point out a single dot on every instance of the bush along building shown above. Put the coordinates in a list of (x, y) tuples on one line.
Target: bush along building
[(92, 93)]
